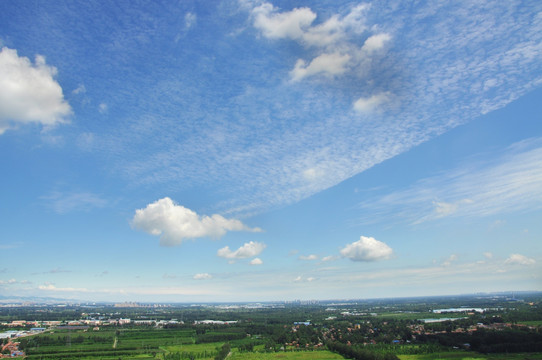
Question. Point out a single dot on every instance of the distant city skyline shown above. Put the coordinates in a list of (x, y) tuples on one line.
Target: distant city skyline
[(245, 151)]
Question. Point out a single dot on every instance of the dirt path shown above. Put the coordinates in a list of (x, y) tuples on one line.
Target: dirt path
[(115, 343)]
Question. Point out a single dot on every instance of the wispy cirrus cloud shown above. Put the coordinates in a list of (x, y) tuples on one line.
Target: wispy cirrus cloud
[(427, 83), (65, 202), (56, 270), (511, 182)]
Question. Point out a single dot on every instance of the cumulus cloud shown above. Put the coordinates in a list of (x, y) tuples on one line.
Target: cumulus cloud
[(29, 93), (256, 261), (326, 64), (376, 42), (329, 258), (203, 276), (248, 250), (518, 259), (175, 223), (274, 25), (334, 43), (367, 249)]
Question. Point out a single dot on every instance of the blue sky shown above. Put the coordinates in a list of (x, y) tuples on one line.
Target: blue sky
[(253, 150)]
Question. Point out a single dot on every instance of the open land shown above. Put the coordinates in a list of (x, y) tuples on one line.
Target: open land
[(490, 327)]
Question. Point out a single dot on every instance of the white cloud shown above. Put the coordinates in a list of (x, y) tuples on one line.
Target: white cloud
[(189, 20), (367, 249), (51, 287), (248, 250), (81, 89), (335, 40), (326, 64), (313, 174), (434, 86), (297, 25), (308, 257), (304, 279), (372, 103), (203, 276), (29, 93), (329, 258), (443, 209), (488, 255), (510, 182), (292, 24), (449, 260), (256, 261), (375, 42), (175, 223), (102, 108), (518, 259), (8, 282)]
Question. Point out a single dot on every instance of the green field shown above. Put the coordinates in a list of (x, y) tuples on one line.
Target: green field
[(132, 344), (419, 315), (125, 344), (298, 355)]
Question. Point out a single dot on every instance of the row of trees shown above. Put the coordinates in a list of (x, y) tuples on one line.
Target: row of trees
[(485, 341)]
